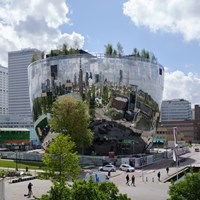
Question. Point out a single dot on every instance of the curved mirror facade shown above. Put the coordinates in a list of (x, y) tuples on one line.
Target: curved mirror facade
[(141, 81)]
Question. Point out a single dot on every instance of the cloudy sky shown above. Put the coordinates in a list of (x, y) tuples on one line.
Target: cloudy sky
[(170, 29)]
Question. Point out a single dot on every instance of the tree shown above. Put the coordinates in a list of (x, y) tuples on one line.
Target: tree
[(61, 159), (105, 95), (119, 49), (188, 188), (34, 58), (108, 50), (114, 52), (144, 54), (87, 191), (135, 51), (61, 163), (94, 191), (64, 49), (71, 115), (154, 59)]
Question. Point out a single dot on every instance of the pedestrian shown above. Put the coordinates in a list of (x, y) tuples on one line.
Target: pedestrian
[(158, 176), (127, 179), (30, 190), (133, 180), (109, 172), (167, 170)]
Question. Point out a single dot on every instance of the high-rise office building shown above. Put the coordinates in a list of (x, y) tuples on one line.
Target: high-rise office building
[(176, 110), (3, 90), (18, 95)]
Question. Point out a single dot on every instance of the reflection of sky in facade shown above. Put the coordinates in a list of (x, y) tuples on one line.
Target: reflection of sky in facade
[(146, 75)]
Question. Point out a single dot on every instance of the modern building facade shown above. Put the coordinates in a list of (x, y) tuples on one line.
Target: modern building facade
[(188, 130), (48, 74), (3, 90), (133, 87), (18, 95), (176, 110), (15, 121)]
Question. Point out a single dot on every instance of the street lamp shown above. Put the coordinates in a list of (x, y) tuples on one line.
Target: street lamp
[(142, 168), (16, 168)]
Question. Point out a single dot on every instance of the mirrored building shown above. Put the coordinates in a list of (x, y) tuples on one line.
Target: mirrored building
[(44, 74), (139, 82)]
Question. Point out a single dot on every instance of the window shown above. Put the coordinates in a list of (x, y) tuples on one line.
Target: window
[(160, 71)]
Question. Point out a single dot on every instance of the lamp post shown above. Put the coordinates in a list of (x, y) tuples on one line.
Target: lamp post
[(16, 168), (142, 169), (133, 145)]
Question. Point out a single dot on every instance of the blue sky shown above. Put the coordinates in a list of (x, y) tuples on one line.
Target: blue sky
[(170, 29), (103, 22)]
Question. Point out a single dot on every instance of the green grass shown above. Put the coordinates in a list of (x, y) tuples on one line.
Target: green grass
[(21, 164)]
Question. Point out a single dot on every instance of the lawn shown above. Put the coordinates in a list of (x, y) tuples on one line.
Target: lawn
[(20, 164)]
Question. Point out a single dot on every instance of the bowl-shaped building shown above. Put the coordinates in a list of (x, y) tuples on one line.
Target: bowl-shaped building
[(135, 84)]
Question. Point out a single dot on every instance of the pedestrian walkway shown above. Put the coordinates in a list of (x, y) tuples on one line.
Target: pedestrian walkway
[(146, 187)]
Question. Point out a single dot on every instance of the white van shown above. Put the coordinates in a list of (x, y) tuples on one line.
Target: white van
[(98, 177)]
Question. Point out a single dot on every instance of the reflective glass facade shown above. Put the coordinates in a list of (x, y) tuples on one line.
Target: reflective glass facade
[(45, 74)]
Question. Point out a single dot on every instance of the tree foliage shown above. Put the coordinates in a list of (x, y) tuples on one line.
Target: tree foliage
[(42, 105), (188, 188), (108, 50), (120, 49), (71, 115), (105, 95), (86, 191), (90, 99), (61, 160)]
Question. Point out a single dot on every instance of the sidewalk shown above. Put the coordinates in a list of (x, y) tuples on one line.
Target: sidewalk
[(147, 186)]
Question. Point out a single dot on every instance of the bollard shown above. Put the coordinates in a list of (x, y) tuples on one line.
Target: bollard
[(152, 179), (146, 179)]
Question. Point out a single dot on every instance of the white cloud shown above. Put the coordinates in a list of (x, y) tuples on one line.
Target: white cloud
[(34, 24), (182, 86), (174, 16)]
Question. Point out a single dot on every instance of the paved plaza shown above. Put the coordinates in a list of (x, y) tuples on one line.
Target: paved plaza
[(147, 184)]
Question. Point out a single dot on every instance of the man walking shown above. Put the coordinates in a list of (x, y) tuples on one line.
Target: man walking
[(30, 190), (158, 176), (127, 179), (133, 180), (167, 169)]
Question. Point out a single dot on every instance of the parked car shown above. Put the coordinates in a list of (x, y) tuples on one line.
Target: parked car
[(196, 149), (108, 168), (127, 168)]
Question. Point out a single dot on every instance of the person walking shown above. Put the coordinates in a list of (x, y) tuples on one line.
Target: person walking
[(30, 192), (158, 174), (127, 179), (133, 180), (167, 170)]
